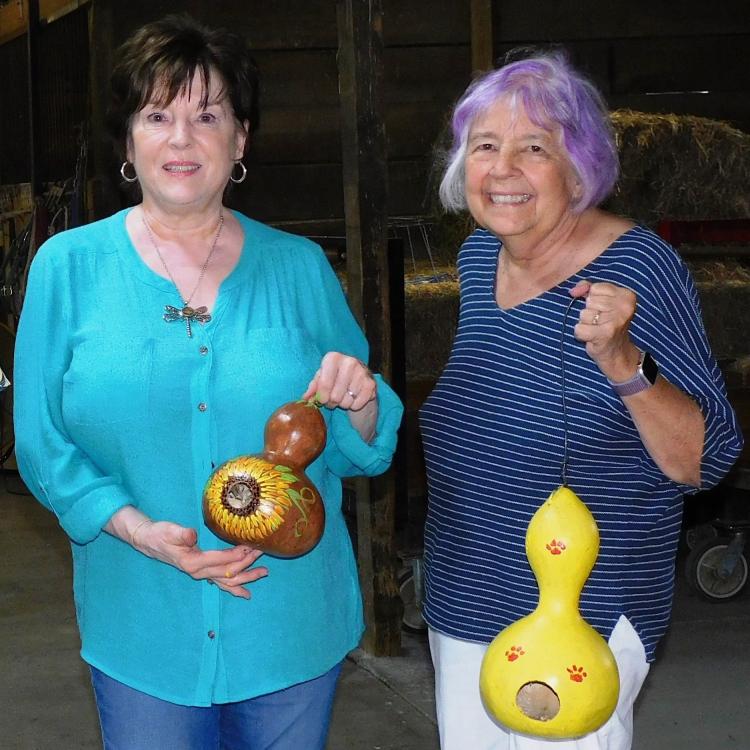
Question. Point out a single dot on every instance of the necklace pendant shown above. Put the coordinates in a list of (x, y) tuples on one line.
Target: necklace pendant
[(188, 314)]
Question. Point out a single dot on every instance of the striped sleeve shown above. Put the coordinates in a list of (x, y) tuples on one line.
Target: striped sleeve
[(669, 324)]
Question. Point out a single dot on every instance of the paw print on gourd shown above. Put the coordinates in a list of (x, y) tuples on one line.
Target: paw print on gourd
[(567, 684), (555, 547), (577, 674)]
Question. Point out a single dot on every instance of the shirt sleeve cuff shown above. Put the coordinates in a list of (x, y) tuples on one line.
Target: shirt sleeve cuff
[(84, 520), (357, 457)]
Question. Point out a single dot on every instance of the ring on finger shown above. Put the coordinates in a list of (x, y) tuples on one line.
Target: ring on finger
[(228, 574), (352, 394), (595, 321)]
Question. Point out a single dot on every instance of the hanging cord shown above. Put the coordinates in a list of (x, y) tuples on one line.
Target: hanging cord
[(564, 468)]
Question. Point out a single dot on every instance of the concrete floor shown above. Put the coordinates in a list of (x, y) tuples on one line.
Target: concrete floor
[(697, 697)]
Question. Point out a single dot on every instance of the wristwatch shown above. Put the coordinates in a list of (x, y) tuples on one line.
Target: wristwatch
[(644, 377)]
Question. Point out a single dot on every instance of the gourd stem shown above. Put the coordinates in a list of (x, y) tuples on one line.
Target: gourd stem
[(564, 468)]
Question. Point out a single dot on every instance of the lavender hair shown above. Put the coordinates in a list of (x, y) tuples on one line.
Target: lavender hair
[(553, 95)]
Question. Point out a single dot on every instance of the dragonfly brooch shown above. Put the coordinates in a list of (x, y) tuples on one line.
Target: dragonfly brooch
[(188, 314)]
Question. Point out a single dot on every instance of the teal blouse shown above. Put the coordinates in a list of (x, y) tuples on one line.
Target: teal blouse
[(115, 406)]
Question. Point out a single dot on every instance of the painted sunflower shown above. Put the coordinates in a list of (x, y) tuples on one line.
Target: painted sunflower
[(248, 497)]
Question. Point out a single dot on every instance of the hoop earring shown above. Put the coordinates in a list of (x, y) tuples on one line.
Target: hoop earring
[(239, 164), (134, 178)]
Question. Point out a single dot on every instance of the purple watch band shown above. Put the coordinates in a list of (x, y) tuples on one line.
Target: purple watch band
[(644, 378), (630, 387)]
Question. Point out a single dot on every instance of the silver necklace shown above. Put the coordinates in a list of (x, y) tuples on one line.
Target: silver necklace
[(186, 313)]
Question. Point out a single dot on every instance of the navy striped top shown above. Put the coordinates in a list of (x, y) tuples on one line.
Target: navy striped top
[(493, 438)]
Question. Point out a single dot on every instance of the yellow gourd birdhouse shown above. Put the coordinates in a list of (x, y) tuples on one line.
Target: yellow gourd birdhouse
[(550, 674)]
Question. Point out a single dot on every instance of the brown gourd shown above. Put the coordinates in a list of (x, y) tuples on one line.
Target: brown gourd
[(266, 500)]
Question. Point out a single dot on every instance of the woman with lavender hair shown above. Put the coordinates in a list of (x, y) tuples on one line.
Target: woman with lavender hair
[(647, 416)]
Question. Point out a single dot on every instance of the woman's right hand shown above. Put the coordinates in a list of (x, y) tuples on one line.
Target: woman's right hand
[(177, 545)]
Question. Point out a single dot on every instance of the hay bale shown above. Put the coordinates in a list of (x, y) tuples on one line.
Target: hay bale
[(431, 316), (724, 271), (680, 167)]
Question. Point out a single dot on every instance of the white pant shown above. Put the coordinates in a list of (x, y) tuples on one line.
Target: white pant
[(465, 725)]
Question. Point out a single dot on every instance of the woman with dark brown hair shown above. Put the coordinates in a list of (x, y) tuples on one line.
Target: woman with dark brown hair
[(123, 411)]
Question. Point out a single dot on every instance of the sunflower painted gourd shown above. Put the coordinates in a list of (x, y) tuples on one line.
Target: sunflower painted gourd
[(266, 500), (550, 674)]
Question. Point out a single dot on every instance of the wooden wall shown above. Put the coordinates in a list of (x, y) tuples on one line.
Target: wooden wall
[(295, 166), (14, 113), (646, 54), (637, 52), (63, 81)]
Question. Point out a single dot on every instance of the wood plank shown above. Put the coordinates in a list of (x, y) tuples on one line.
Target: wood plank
[(63, 81), (14, 117), (314, 192), (408, 188), (105, 196), (298, 135), (708, 63), (32, 99), (296, 192), (291, 24), (297, 77), (13, 20), (14, 15), (301, 78), (481, 35), (419, 22), (311, 135), (541, 20), (52, 10), (426, 73), (282, 24), (365, 175), (415, 129)]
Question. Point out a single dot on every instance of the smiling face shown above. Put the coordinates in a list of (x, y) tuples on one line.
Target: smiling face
[(183, 153), (519, 181)]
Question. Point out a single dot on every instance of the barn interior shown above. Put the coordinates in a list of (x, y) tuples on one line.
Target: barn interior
[(355, 97)]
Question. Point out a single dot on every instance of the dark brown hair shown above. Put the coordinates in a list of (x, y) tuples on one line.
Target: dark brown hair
[(164, 57)]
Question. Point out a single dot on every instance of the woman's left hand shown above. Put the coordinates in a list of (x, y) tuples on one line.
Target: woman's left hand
[(604, 326), (343, 381)]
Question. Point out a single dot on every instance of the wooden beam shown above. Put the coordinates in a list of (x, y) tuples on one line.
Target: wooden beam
[(32, 50), (14, 17), (52, 10), (365, 176), (104, 176), (13, 20), (482, 54)]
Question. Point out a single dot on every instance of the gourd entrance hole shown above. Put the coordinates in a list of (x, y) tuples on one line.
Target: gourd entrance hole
[(538, 701), (241, 495)]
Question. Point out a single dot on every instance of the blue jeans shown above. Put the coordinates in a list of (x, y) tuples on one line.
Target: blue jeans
[(296, 718)]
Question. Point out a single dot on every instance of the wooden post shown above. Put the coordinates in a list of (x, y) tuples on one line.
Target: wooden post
[(32, 46), (105, 198), (365, 175), (482, 55)]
